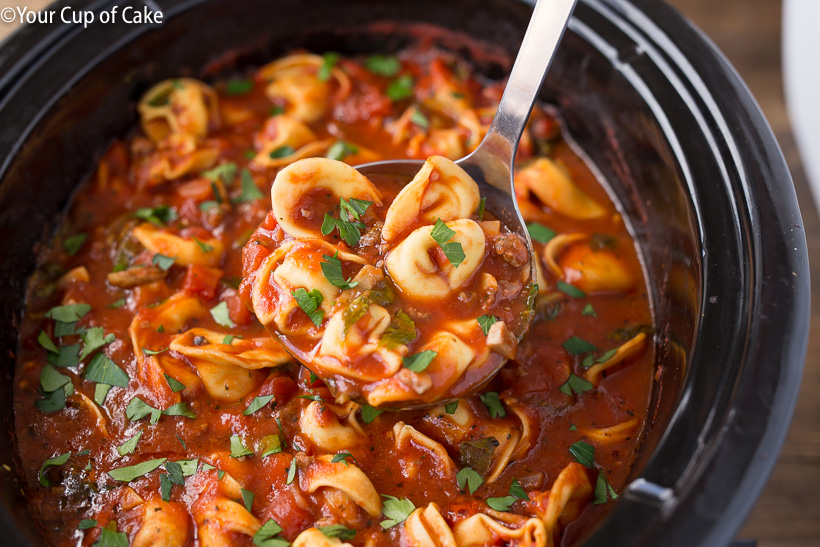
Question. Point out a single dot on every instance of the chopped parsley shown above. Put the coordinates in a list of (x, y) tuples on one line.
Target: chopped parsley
[(163, 262), (584, 453), (93, 339), (281, 152), (226, 172), (451, 407), (250, 192), (103, 370), (349, 230), (577, 346), (133, 472), (395, 510), (332, 268), (238, 449), (479, 213), (271, 444), (370, 413), (291, 471), (575, 384), (257, 404), (400, 331), (46, 341), (469, 479), (342, 457), (69, 313), (72, 244), (383, 65), (570, 290), (130, 445), (158, 216), (339, 150), (603, 490), (337, 531), (418, 118), (175, 385), (453, 250), (310, 302), (400, 88), (493, 404), (329, 61), (239, 87), (589, 310), (420, 361), (222, 316), (204, 247), (487, 321), (247, 499), (539, 232), (51, 462), (267, 534)]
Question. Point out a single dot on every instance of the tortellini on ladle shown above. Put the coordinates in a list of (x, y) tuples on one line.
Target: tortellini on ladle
[(387, 300)]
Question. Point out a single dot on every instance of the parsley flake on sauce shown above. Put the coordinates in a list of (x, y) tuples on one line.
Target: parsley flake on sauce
[(250, 192), (577, 346), (332, 269), (370, 413), (575, 384), (163, 262), (310, 302), (51, 462), (493, 404), (103, 370), (540, 233), (487, 321), (72, 244), (453, 250), (132, 472), (130, 445), (337, 531), (420, 361), (383, 65), (257, 404), (400, 88), (469, 479), (329, 61), (222, 316), (238, 449), (570, 290), (395, 510), (339, 150), (584, 453)]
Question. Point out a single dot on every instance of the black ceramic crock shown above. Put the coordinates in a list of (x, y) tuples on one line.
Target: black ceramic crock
[(660, 113)]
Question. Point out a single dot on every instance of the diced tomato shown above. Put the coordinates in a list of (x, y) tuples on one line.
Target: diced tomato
[(288, 514), (202, 281), (281, 387), (236, 308)]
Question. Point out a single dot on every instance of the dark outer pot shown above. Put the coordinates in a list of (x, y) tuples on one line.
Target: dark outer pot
[(661, 114)]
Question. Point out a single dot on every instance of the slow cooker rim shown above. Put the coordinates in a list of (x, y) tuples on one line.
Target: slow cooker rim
[(714, 68)]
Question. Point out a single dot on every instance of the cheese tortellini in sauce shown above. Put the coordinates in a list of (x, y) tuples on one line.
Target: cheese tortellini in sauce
[(386, 297)]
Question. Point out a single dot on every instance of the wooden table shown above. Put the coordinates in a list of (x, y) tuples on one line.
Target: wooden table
[(748, 31)]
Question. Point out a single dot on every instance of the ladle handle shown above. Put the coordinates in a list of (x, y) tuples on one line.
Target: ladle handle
[(547, 24)]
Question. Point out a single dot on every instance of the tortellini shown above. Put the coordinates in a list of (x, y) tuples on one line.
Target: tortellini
[(295, 80), (184, 251), (440, 190), (320, 423), (163, 523), (553, 187), (352, 295), (345, 477), (178, 106), (423, 276), (312, 177), (229, 371), (571, 257), (286, 133)]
